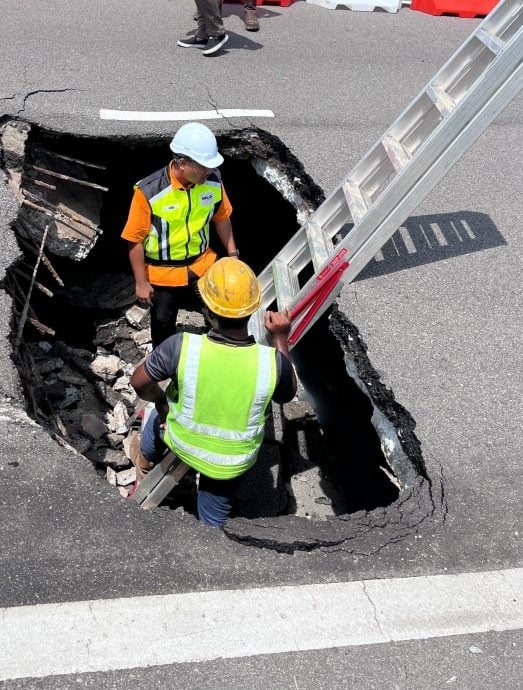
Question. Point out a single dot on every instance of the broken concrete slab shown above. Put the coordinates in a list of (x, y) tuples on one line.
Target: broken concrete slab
[(118, 419), (106, 366), (93, 426), (115, 440), (122, 383), (71, 397), (80, 443), (137, 316), (142, 337), (111, 476), (46, 366), (126, 477), (68, 375)]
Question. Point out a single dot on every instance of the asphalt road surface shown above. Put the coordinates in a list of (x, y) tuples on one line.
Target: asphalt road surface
[(443, 328)]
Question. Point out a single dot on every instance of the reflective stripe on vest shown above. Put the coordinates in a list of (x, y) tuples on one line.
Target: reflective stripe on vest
[(232, 385), (180, 218)]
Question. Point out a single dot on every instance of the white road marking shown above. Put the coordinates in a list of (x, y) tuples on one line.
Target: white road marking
[(110, 634), (183, 115)]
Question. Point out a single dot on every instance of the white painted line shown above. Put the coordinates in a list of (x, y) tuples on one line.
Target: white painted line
[(103, 635), (182, 115)]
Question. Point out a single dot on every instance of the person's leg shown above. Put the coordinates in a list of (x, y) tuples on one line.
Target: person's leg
[(210, 18), (215, 500), (151, 443), (249, 16), (202, 36), (147, 449), (164, 311)]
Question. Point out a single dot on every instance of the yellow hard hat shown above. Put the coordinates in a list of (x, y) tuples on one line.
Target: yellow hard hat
[(230, 289)]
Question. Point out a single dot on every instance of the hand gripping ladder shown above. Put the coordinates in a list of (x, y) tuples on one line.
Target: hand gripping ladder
[(409, 160)]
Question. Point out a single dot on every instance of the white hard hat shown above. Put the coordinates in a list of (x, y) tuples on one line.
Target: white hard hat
[(197, 142)]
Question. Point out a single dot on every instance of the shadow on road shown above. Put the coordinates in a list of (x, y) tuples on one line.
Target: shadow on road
[(425, 239)]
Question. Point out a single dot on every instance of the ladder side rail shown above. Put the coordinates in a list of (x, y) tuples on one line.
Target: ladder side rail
[(399, 129), (332, 214), (361, 244), (483, 104), (296, 249), (502, 17), (300, 257), (324, 215), (370, 245), (497, 18)]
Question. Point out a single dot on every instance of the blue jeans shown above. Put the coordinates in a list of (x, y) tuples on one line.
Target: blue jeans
[(215, 496)]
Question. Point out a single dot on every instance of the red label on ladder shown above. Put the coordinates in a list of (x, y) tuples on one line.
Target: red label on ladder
[(312, 303)]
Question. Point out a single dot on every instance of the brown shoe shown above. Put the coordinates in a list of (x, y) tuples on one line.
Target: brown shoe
[(142, 465), (251, 20)]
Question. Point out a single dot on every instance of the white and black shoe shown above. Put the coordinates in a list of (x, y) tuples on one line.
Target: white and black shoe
[(214, 44), (193, 42)]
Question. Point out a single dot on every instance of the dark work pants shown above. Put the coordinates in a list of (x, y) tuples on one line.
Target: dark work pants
[(166, 303), (210, 22)]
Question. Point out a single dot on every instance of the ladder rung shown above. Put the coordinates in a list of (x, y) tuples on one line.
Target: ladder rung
[(164, 487), (441, 99), (356, 200), (320, 245), (286, 284), (397, 153), (493, 42), (408, 160)]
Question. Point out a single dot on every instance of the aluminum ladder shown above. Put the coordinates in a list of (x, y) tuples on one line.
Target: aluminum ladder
[(390, 181), (162, 478), (160, 481)]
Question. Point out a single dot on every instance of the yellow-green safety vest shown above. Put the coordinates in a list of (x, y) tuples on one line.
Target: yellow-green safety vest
[(218, 404), (180, 218)]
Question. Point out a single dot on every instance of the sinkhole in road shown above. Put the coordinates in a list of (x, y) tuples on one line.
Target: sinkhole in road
[(338, 451)]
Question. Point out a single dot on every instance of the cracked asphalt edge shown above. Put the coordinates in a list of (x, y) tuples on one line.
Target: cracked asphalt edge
[(358, 533)]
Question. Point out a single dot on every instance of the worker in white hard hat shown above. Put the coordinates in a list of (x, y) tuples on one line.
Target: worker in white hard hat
[(168, 228)]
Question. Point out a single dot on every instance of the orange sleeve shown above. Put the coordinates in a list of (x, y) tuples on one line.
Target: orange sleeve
[(224, 209), (139, 220)]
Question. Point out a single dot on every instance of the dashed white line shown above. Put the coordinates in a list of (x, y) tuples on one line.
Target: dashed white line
[(102, 635), (218, 114)]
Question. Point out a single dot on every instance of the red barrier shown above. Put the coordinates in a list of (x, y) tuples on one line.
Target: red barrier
[(460, 8), (281, 3)]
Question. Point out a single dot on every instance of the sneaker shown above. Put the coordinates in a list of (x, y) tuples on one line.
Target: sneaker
[(214, 44), (193, 42), (251, 20)]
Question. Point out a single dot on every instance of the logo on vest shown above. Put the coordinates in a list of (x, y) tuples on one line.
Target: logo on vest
[(206, 199), (172, 207)]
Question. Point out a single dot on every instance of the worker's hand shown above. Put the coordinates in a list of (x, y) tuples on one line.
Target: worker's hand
[(162, 408), (278, 323), (144, 293)]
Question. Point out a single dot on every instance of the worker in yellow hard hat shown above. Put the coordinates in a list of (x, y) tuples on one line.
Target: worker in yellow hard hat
[(212, 414)]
